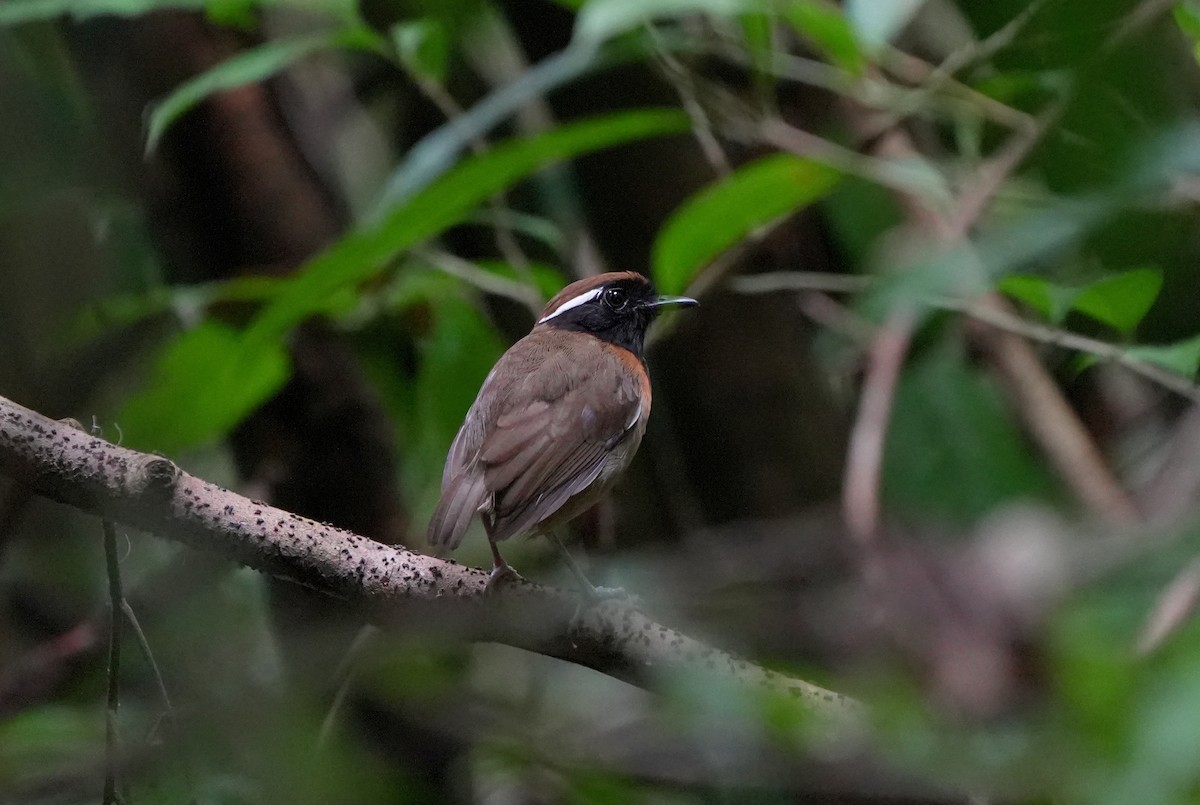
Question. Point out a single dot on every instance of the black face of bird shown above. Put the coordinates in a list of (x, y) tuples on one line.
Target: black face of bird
[(618, 311)]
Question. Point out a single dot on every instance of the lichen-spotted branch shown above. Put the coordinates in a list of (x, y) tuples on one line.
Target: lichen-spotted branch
[(395, 588)]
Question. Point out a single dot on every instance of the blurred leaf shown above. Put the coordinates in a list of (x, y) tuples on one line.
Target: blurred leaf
[(455, 358), (424, 48), (600, 20), (252, 65), (949, 421), (1187, 17), (457, 347), (826, 26), (722, 214), (45, 741), (1121, 301), (877, 21), (232, 13), (364, 253), (189, 303), (1096, 683), (205, 381), (756, 30), (17, 11), (1182, 357)]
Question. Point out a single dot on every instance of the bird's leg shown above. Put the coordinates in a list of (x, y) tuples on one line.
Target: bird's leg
[(501, 571), (589, 591)]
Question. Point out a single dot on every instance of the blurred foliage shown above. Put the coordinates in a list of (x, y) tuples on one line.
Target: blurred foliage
[(1092, 231)]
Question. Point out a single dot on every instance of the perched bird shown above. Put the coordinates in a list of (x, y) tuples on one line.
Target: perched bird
[(557, 419)]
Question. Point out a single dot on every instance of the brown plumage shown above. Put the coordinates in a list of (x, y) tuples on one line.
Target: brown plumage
[(558, 418)]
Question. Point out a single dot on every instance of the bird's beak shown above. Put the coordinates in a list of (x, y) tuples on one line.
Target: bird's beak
[(663, 301)]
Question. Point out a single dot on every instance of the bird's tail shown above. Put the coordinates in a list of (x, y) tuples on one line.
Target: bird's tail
[(462, 498)]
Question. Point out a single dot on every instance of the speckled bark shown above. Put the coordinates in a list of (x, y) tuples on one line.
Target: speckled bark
[(392, 585)]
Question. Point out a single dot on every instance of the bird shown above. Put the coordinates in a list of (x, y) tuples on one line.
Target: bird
[(556, 421)]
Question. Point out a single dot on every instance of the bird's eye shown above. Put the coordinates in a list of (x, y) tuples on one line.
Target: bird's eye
[(616, 298)]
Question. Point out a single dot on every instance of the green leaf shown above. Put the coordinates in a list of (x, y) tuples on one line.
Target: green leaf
[(424, 48), (826, 26), (253, 65), (1182, 357), (722, 214), (205, 382), (1121, 301), (601, 20), (1052, 301), (448, 201)]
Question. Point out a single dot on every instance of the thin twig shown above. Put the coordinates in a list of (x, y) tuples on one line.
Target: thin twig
[(115, 597), (1136, 20), (776, 281), (685, 87), (481, 278), (864, 460), (499, 58), (1054, 425), (896, 102), (346, 672), (1176, 605), (985, 313), (148, 656), (885, 172), (1001, 319), (837, 318), (934, 79), (992, 173)]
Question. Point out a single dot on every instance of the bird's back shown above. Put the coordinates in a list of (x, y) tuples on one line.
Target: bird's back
[(555, 421)]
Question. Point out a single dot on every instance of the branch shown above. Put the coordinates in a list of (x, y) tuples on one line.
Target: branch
[(395, 588)]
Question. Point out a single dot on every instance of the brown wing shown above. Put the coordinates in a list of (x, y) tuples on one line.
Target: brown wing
[(536, 437)]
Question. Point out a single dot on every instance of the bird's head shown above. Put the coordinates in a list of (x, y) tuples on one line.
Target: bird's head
[(616, 307)]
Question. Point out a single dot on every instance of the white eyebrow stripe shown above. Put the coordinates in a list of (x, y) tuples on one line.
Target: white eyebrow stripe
[(573, 302)]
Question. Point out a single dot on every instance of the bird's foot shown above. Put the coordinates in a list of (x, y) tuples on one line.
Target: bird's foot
[(501, 574)]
